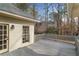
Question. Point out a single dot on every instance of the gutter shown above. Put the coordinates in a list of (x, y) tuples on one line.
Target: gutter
[(18, 16)]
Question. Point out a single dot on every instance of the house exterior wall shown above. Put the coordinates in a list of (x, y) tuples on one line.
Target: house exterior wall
[(40, 27), (73, 9), (15, 35)]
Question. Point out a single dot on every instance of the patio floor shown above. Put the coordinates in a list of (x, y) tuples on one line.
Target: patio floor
[(44, 48)]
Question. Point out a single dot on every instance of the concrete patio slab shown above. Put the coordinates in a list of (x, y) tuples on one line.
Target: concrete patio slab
[(44, 48)]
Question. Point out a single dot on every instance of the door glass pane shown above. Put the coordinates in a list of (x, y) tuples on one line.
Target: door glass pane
[(0, 42), (0, 47), (5, 27), (5, 32), (0, 38), (5, 41), (0, 27), (3, 37), (0, 32)]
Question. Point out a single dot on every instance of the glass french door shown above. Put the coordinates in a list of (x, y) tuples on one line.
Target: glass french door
[(3, 38)]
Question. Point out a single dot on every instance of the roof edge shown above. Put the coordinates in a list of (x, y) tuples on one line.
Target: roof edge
[(19, 16)]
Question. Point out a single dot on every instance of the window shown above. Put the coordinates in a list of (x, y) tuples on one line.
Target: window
[(25, 37)]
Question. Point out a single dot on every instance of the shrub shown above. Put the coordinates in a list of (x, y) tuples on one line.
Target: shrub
[(52, 30)]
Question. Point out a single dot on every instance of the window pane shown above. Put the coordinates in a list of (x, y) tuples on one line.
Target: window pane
[(24, 39), (5, 46), (27, 37), (27, 40), (24, 36)]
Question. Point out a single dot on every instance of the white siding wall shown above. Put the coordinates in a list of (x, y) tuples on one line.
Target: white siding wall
[(15, 35)]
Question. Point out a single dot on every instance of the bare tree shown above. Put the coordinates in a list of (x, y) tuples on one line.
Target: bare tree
[(28, 7)]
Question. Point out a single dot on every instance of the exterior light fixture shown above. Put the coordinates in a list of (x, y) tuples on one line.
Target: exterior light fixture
[(12, 27)]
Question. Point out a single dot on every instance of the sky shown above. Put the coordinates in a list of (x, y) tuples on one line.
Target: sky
[(41, 6)]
